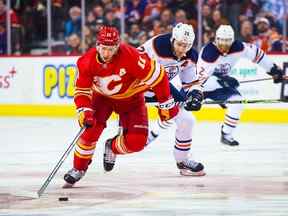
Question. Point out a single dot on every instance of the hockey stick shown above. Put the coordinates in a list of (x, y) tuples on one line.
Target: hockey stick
[(262, 79), (182, 103), (255, 80), (246, 101), (60, 162)]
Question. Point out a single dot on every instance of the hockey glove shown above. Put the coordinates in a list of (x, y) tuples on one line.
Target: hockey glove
[(276, 73), (85, 117), (194, 100), (167, 110)]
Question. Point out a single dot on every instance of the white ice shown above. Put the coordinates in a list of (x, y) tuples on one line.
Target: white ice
[(248, 180)]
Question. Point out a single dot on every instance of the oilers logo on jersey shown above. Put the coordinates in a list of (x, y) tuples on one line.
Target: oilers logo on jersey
[(223, 69), (172, 71)]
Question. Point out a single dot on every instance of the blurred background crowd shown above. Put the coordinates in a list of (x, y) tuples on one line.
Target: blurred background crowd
[(263, 22)]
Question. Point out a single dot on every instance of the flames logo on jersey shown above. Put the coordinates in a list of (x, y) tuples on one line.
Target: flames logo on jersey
[(223, 69)]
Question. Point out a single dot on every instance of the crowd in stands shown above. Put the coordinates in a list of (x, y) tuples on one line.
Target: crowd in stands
[(257, 21)]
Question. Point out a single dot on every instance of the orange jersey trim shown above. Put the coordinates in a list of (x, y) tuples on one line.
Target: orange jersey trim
[(152, 70), (160, 77), (85, 147)]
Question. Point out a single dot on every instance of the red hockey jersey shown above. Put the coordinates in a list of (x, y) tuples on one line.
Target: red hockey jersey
[(128, 73)]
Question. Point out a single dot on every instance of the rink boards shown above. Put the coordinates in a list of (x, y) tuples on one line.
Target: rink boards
[(43, 86)]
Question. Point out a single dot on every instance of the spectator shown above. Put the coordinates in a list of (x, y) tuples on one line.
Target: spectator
[(16, 33), (111, 20), (3, 40), (262, 38), (249, 10), (135, 10), (142, 37), (134, 34), (213, 3), (74, 45), (166, 18), (152, 10), (39, 17), (276, 10), (266, 36), (206, 18), (158, 28), (108, 4), (232, 10), (246, 32), (94, 22), (90, 40), (189, 6), (13, 16), (58, 15), (180, 16), (208, 36), (73, 25), (98, 12), (218, 19)]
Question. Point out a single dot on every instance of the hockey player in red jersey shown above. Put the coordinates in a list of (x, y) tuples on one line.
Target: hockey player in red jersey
[(113, 77)]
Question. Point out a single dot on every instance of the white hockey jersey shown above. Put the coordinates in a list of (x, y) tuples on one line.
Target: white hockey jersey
[(160, 48), (211, 61)]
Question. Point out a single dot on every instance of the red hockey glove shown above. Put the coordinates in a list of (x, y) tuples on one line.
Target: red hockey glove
[(85, 117), (167, 110)]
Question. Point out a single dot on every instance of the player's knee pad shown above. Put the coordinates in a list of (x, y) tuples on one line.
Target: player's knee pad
[(135, 142), (185, 119), (184, 124)]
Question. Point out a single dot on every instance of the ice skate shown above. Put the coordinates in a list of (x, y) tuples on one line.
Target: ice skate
[(109, 157), (151, 137), (72, 176), (227, 139), (190, 167)]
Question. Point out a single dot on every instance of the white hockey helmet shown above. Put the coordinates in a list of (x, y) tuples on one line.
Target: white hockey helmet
[(224, 38), (183, 33)]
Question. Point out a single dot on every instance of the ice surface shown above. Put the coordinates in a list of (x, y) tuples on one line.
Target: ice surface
[(251, 179)]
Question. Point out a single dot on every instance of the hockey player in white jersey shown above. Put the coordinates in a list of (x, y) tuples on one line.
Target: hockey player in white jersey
[(174, 51), (217, 59)]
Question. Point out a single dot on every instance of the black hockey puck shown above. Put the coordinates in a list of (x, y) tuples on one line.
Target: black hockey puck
[(63, 199)]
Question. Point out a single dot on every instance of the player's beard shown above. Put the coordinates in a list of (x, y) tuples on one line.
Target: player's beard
[(107, 58), (223, 47)]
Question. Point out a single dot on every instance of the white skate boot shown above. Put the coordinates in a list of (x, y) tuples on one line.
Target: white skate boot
[(72, 176), (190, 167)]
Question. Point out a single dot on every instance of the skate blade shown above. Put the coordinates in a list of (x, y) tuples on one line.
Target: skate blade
[(67, 185), (190, 173)]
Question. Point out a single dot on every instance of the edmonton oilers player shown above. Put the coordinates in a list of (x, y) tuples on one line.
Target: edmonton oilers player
[(216, 59), (174, 51)]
